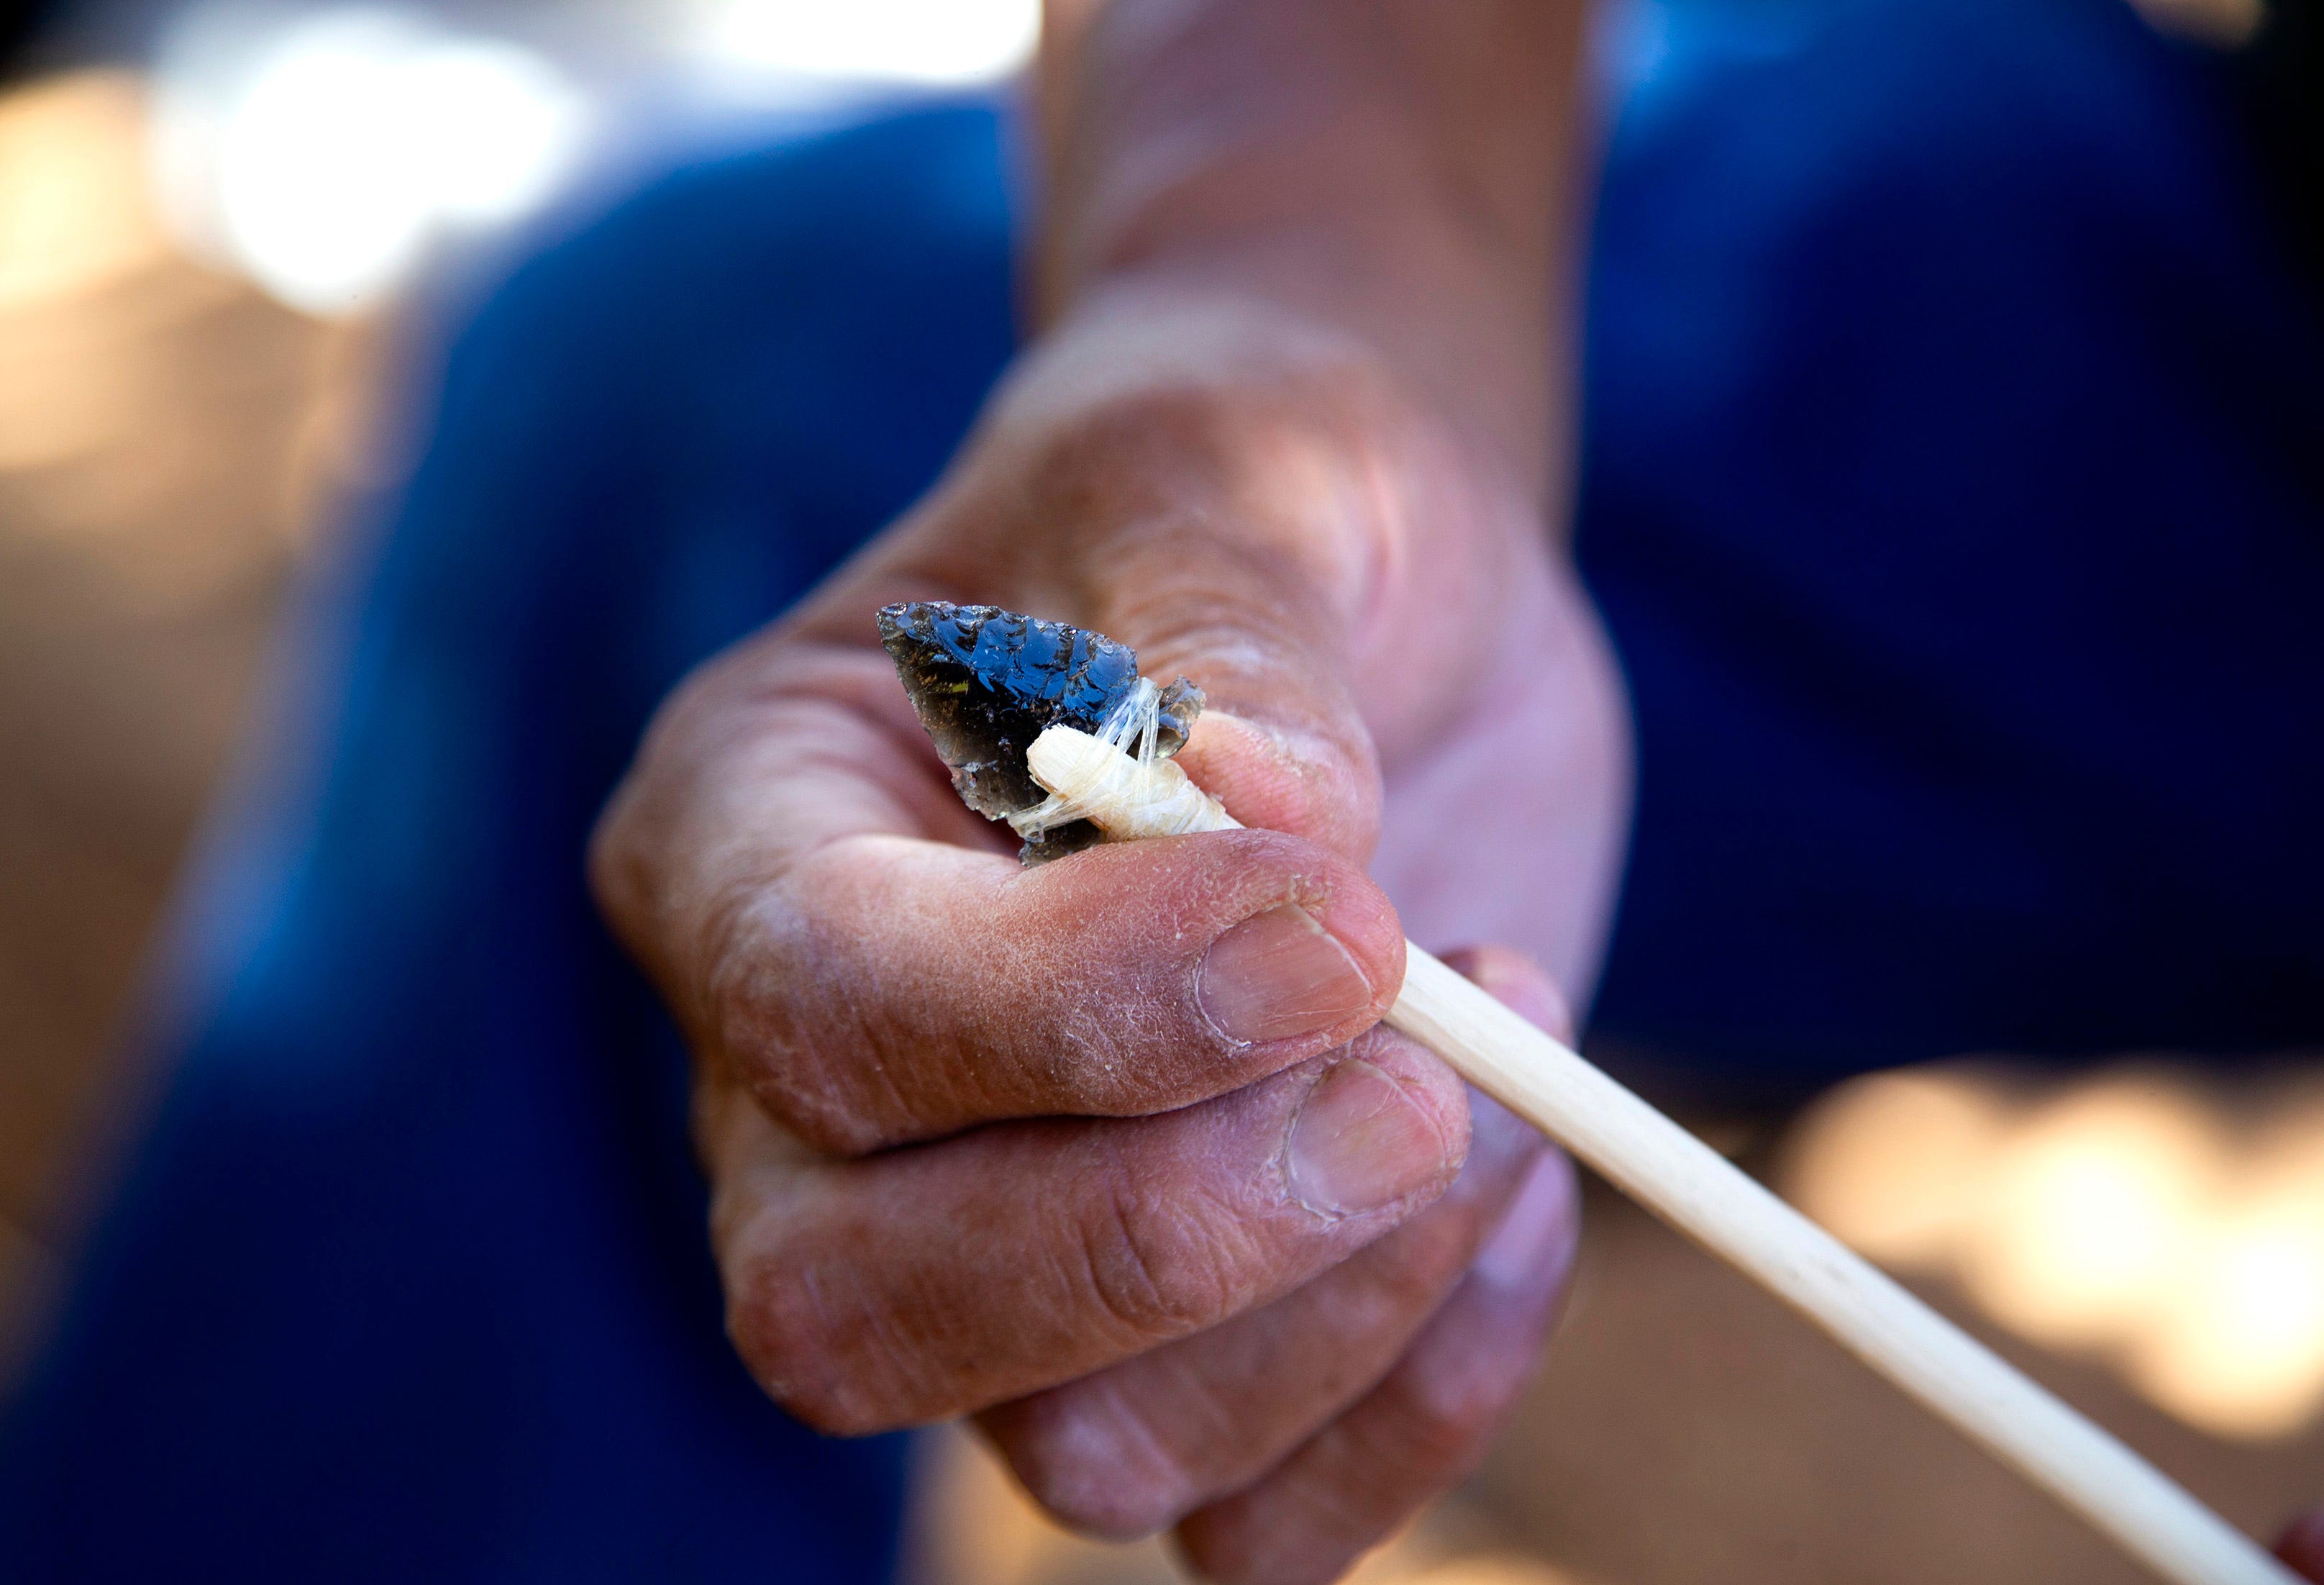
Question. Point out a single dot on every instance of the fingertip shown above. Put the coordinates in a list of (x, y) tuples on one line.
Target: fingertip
[(1517, 983), (1532, 1247), (1274, 777), (1367, 1137), (1316, 960), (1360, 917), (1280, 974)]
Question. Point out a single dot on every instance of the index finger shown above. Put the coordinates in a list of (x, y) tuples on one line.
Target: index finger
[(884, 989), (772, 862)]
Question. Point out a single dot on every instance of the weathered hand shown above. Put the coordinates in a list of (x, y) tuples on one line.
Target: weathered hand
[(1109, 1152)]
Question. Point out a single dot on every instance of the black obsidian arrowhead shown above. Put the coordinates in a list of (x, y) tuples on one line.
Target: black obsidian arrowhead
[(987, 681)]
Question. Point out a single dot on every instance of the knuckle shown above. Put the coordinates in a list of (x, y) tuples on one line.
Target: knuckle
[(778, 1345), (792, 1087), (837, 1413), (793, 1349), (1287, 449), (1290, 404), (753, 1002), (617, 867), (1151, 1267)]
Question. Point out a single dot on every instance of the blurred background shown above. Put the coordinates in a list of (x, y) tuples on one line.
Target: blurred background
[(211, 249)]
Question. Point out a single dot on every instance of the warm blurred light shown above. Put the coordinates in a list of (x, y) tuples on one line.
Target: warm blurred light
[(2092, 1212), (937, 43), (2238, 1345), (2224, 24), (76, 232), (2239, 1348), (328, 152), (326, 157), (1882, 1161), (73, 209), (2114, 1215)]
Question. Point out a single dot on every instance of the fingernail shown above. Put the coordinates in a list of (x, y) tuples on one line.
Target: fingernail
[(1279, 974), (1359, 1142), (1535, 1229)]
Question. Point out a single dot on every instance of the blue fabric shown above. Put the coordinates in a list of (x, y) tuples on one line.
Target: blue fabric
[(410, 1280), (1949, 484), (1953, 490)]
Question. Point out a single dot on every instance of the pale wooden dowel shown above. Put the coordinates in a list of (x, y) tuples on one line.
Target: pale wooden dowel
[(1699, 1192)]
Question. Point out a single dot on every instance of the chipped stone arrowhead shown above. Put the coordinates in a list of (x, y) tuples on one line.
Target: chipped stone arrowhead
[(987, 681)]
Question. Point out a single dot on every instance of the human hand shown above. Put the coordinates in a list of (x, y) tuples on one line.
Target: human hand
[(1109, 1150)]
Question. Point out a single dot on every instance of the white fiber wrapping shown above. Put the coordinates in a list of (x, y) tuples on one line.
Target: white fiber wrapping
[(1089, 779)]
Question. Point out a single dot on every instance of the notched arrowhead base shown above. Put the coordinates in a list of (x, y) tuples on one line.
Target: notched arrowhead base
[(986, 682)]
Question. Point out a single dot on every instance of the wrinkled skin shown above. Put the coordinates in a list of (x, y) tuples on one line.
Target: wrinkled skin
[(996, 1141), (1110, 1154)]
